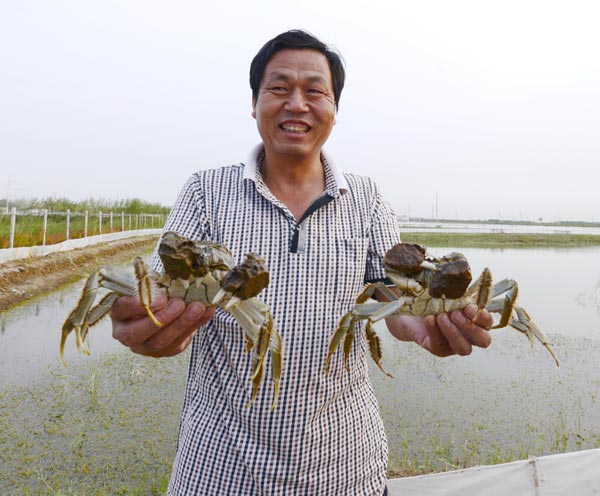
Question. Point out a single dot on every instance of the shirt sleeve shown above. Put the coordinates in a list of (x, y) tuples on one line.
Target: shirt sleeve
[(187, 217), (385, 233)]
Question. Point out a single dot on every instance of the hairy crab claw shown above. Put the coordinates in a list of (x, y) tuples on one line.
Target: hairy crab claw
[(193, 271)]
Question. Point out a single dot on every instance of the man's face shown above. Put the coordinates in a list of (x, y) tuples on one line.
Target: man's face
[(295, 109)]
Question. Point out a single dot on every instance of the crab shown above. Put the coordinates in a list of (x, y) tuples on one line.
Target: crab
[(194, 271), (427, 285)]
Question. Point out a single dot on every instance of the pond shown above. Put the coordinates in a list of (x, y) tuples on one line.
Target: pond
[(77, 427), (510, 401)]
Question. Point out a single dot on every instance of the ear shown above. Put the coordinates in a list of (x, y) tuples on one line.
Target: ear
[(253, 108)]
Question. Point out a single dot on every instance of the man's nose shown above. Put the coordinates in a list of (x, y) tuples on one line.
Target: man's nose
[(297, 101)]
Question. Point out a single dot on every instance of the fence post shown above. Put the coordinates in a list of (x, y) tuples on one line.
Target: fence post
[(99, 221), (45, 227), (13, 221), (130, 222), (85, 224), (68, 222), (111, 221), (122, 221)]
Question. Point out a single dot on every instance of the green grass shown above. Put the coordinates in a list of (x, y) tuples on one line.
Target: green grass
[(500, 239)]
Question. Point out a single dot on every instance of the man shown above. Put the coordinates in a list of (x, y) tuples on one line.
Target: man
[(323, 234)]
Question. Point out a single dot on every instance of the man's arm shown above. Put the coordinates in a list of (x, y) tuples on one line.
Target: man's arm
[(134, 329)]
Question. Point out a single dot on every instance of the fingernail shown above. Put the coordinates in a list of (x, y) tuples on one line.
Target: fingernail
[(471, 311), (443, 318), (460, 319), (158, 302), (175, 307), (195, 311)]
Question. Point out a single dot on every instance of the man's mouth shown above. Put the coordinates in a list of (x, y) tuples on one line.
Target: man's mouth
[(295, 128)]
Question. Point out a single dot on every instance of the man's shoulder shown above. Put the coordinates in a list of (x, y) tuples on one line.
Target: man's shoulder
[(215, 178), (218, 172), (360, 183)]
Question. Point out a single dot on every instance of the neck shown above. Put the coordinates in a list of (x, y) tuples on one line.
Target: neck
[(296, 183)]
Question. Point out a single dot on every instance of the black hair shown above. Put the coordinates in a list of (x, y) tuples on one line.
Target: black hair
[(297, 39)]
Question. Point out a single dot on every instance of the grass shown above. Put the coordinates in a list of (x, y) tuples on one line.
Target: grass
[(499, 405), (29, 229), (91, 428), (478, 240)]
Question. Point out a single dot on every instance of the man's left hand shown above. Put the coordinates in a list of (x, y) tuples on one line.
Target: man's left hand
[(445, 334)]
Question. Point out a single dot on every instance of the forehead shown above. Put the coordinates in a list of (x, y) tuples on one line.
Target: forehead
[(292, 63)]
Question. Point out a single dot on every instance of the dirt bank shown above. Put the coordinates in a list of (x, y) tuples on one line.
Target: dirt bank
[(21, 280)]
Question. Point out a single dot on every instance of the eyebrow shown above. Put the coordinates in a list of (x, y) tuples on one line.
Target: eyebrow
[(280, 76)]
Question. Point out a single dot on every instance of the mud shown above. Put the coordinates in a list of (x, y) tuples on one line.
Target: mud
[(24, 279)]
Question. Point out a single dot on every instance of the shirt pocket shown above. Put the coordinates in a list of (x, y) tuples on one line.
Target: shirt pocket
[(351, 264)]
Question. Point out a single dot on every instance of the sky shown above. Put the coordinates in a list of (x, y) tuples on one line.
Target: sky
[(458, 109)]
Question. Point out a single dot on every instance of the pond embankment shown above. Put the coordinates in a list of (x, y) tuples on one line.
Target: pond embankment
[(23, 279)]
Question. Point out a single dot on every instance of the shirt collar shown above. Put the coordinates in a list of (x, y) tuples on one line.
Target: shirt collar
[(332, 171)]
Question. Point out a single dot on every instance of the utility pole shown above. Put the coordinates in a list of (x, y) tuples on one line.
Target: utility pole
[(7, 195)]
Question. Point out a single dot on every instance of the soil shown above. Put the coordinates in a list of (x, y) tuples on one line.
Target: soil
[(21, 280)]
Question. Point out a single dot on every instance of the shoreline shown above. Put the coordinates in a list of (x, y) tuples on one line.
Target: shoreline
[(24, 279)]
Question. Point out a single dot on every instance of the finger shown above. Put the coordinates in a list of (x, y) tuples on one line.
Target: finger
[(436, 341), (475, 334), (176, 336), (129, 307), (135, 331), (457, 342), (484, 319)]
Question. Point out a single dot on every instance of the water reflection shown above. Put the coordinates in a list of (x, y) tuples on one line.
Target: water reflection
[(559, 287), (31, 335)]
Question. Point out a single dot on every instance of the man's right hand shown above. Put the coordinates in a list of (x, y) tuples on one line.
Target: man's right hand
[(133, 328)]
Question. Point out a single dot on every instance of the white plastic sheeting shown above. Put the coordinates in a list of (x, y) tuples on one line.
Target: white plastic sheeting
[(568, 474), (7, 254)]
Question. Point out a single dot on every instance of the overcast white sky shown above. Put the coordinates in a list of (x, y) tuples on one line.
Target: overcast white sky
[(492, 105)]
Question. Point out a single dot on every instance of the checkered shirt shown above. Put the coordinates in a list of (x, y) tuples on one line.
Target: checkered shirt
[(325, 437)]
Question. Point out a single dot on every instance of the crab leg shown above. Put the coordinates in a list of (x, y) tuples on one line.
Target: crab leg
[(375, 347), (144, 288), (522, 323), (343, 328), (526, 321), (97, 312), (511, 289), (77, 317), (482, 288)]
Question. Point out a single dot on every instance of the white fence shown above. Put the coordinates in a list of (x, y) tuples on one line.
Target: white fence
[(103, 222)]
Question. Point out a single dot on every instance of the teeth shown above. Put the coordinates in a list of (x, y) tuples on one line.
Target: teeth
[(294, 129)]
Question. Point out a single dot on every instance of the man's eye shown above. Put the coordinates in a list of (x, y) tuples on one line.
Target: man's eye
[(278, 89)]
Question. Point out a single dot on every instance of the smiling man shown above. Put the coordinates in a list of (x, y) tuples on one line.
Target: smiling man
[(323, 234)]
